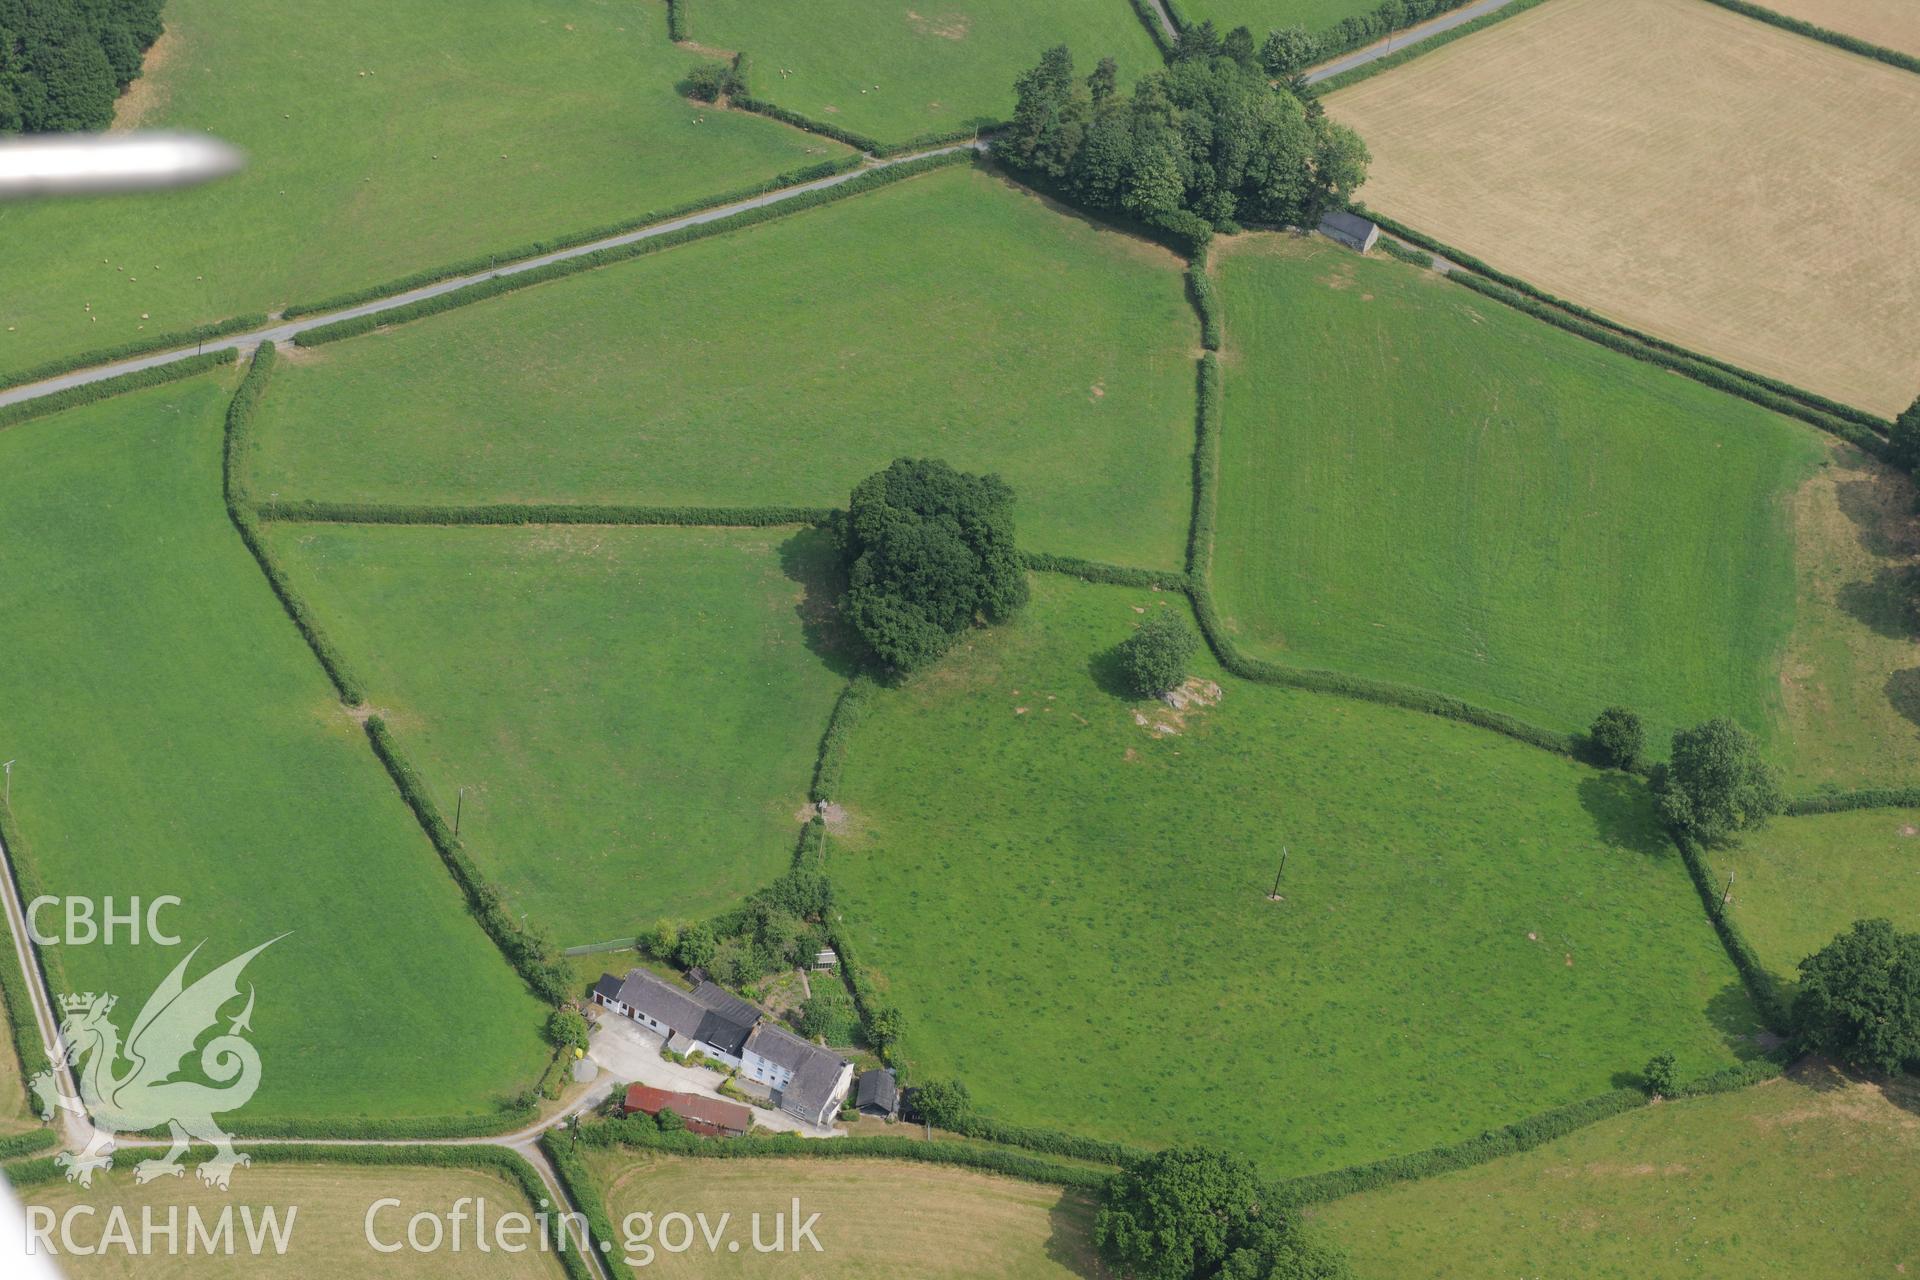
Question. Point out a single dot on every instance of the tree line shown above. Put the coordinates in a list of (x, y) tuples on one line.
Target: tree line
[(1208, 142), (64, 62)]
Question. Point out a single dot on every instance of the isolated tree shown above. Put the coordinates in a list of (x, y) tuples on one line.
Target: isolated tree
[(929, 551), (566, 1029), (1155, 658), (1716, 783), (1660, 1074), (944, 1103), (1904, 440), (1194, 1213), (1618, 737), (695, 947), (1859, 998)]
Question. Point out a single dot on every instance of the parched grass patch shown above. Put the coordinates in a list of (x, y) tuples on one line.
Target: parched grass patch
[(1419, 484), (1851, 678), (173, 735), (381, 139), (1891, 24), (952, 316), (1718, 182), (1041, 872), (634, 713), (878, 1218), (1809, 1176), (1798, 882), (899, 71), (330, 1205)]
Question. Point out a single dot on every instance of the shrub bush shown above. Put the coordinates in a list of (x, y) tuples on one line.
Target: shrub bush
[(828, 1014), (1660, 1074), (1859, 998), (1157, 656), (1618, 737)]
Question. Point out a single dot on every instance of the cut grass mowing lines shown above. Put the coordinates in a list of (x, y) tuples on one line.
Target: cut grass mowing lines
[(1810, 1176), (1420, 485), (1027, 864), (781, 364), (175, 736), (1797, 882), (380, 139), (895, 72), (1700, 176), (877, 1217), (633, 712)]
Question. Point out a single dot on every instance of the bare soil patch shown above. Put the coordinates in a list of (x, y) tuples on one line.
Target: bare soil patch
[(951, 26), (147, 96)]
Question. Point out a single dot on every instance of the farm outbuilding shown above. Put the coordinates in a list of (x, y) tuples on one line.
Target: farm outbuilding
[(877, 1093), (708, 1116), (1350, 229)]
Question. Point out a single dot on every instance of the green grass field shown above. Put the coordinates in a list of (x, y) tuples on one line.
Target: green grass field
[(1800, 881), (900, 71), (950, 315), (1418, 484), (879, 1219), (634, 712), (1814, 1176), (173, 735), (381, 139), (1262, 16), (1473, 929)]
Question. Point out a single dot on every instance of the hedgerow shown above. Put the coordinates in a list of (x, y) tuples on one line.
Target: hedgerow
[(562, 1152), (677, 20), (1758, 978), (1406, 253), (138, 347), (1118, 575), (872, 146), (512, 513), (508, 1118), (1144, 10), (572, 239), (17, 999), (1206, 472), (848, 711), (1811, 407), (1414, 50), (1200, 290), (21, 1144), (1864, 798), (531, 954), (86, 393), (1852, 44), (622, 252)]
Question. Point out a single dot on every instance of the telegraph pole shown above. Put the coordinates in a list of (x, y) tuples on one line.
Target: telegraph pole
[(1276, 875), (459, 803)]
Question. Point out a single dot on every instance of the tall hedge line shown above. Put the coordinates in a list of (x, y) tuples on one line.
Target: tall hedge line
[(14, 993), (1118, 575), (1428, 45), (1150, 18), (872, 146), (21, 1144), (1810, 407), (531, 954), (514, 513), (643, 1134), (1758, 978), (1206, 472), (52, 976), (1864, 798), (562, 1151), (127, 350), (506, 1119), (677, 20), (572, 239), (622, 252), (238, 444), (88, 392), (1200, 290), (848, 710), (1839, 39)]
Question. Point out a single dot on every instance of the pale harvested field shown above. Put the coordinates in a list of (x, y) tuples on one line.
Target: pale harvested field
[(1716, 181), (1891, 24), (328, 1238)]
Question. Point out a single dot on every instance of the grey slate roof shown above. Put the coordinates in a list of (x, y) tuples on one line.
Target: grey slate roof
[(661, 1001), (782, 1047), (878, 1090), (608, 986), (727, 1020), (811, 1090), (1348, 228)]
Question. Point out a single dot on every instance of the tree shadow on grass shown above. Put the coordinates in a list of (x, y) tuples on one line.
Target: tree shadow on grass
[(1903, 691), (810, 558), (1881, 509), (1622, 811), (1732, 1012), (1070, 1241), (1110, 674), (1883, 603)]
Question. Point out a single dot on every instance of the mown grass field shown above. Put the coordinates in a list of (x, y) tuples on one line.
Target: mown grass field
[(1891, 24), (899, 71), (950, 315), (1800, 881), (1719, 182), (1472, 929), (878, 1218), (634, 712), (329, 1233), (175, 736), (1813, 1176), (1419, 484), (381, 139), (1262, 16)]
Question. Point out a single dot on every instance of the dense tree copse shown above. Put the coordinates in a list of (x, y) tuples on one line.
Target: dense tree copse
[(1859, 998), (1206, 142), (63, 62), (1904, 440), (1716, 783), (1194, 1213), (929, 551)]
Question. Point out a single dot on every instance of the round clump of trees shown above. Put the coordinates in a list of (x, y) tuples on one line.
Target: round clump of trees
[(1618, 738), (1859, 998), (1716, 783), (929, 552), (1156, 658)]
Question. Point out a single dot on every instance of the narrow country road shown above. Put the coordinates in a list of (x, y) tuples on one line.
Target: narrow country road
[(1166, 20), (1402, 39), (286, 329)]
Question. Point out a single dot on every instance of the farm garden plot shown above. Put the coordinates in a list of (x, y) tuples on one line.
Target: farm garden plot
[(900, 71), (1419, 484), (1041, 871), (1704, 177), (951, 315), (633, 713), (878, 1218), (173, 735), (1811, 1176), (381, 139)]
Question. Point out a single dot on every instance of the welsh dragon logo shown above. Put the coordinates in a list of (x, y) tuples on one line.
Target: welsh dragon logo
[(143, 1094)]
